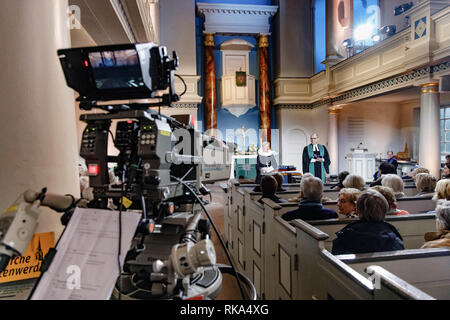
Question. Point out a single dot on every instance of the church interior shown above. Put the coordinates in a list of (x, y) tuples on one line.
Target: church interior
[(365, 76)]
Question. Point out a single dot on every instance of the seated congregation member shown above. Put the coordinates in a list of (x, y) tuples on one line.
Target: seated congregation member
[(442, 190), (440, 238), (299, 197), (371, 233), (446, 171), (425, 184), (394, 182), (280, 181), (383, 169), (310, 207), (354, 181), (418, 170), (265, 164), (342, 175), (347, 203), (269, 187), (389, 195)]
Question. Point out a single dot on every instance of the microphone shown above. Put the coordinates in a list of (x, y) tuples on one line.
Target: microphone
[(54, 201)]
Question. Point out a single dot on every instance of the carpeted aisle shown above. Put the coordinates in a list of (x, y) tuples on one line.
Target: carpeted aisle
[(230, 289)]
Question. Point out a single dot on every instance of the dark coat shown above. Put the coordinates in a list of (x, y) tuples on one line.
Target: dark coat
[(310, 210), (362, 237)]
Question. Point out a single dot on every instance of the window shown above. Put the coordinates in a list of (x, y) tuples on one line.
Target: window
[(445, 131), (319, 35)]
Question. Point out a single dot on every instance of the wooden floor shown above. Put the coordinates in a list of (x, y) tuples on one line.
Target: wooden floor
[(230, 289)]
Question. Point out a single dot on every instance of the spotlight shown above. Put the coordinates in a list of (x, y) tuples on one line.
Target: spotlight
[(388, 31), (402, 8), (383, 33), (348, 43), (363, 32), (376, 37)]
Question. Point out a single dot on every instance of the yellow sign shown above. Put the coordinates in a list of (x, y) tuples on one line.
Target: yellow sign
[(164, 133), (126, 202), (28, 265)]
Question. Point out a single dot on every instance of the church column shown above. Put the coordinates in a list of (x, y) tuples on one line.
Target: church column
[(264, 89), (333, 147), (332, 55), (429, 141), (37, 117), (210, 84)]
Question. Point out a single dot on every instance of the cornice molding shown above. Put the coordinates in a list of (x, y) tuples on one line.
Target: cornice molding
[(236, 18)]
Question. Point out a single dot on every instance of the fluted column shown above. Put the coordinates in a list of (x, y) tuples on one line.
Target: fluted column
[(333, 145), (332, 55), (210, 84), (38, 135), (429, 141), (264, 89)]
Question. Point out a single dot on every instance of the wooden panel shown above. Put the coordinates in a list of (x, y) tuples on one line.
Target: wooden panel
[(285, 271)]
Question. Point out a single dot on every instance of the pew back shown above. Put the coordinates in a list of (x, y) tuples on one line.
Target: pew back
[(343, 281), (435, 281), (412, 228)]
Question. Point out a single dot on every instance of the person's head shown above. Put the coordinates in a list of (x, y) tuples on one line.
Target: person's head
[(342, 175), (446, 170), (268, 185), (372, 206), (442, 190), (394, 182), (354, 181), (390, 154), (447, 158), (311, 188), (386, 168), (443, 216), (314, 138), (279, 179), (417, 171), (388, 194), (347, 200), (425, 182)]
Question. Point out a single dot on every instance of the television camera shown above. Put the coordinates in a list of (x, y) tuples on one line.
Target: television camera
[(162, 165)]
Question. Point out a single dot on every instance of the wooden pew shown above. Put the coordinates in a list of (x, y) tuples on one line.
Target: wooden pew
[(263, 250), (236, 227), (331, 280), (435, 281), (411, 227), (340, 281)]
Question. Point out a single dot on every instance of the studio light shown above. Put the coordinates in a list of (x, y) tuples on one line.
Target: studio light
[(388, 31), (348, 43), (402, 8), (384, 33), (363, 32)]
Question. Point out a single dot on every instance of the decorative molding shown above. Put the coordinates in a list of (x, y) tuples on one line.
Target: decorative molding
[(145, 9), (294, 106), (236, 18), (191, 95), (390, 84), (122, 16), (185, 105)]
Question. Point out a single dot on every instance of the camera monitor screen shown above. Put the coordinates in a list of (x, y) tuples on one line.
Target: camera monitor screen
[(115, 72), (116, 69)]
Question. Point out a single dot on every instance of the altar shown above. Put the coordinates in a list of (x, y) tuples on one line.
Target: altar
[(243, 166), (362, 163)]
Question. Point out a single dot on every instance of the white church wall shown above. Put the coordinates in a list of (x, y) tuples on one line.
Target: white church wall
[(295, 127), (377, 125)]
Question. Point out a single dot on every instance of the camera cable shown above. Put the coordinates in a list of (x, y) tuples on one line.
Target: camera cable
[(218, 234)]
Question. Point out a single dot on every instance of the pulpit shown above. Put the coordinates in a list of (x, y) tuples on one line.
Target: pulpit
[(362, 163)]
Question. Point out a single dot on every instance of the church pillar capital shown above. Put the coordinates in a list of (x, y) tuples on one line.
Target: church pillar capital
[(209, 39)]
